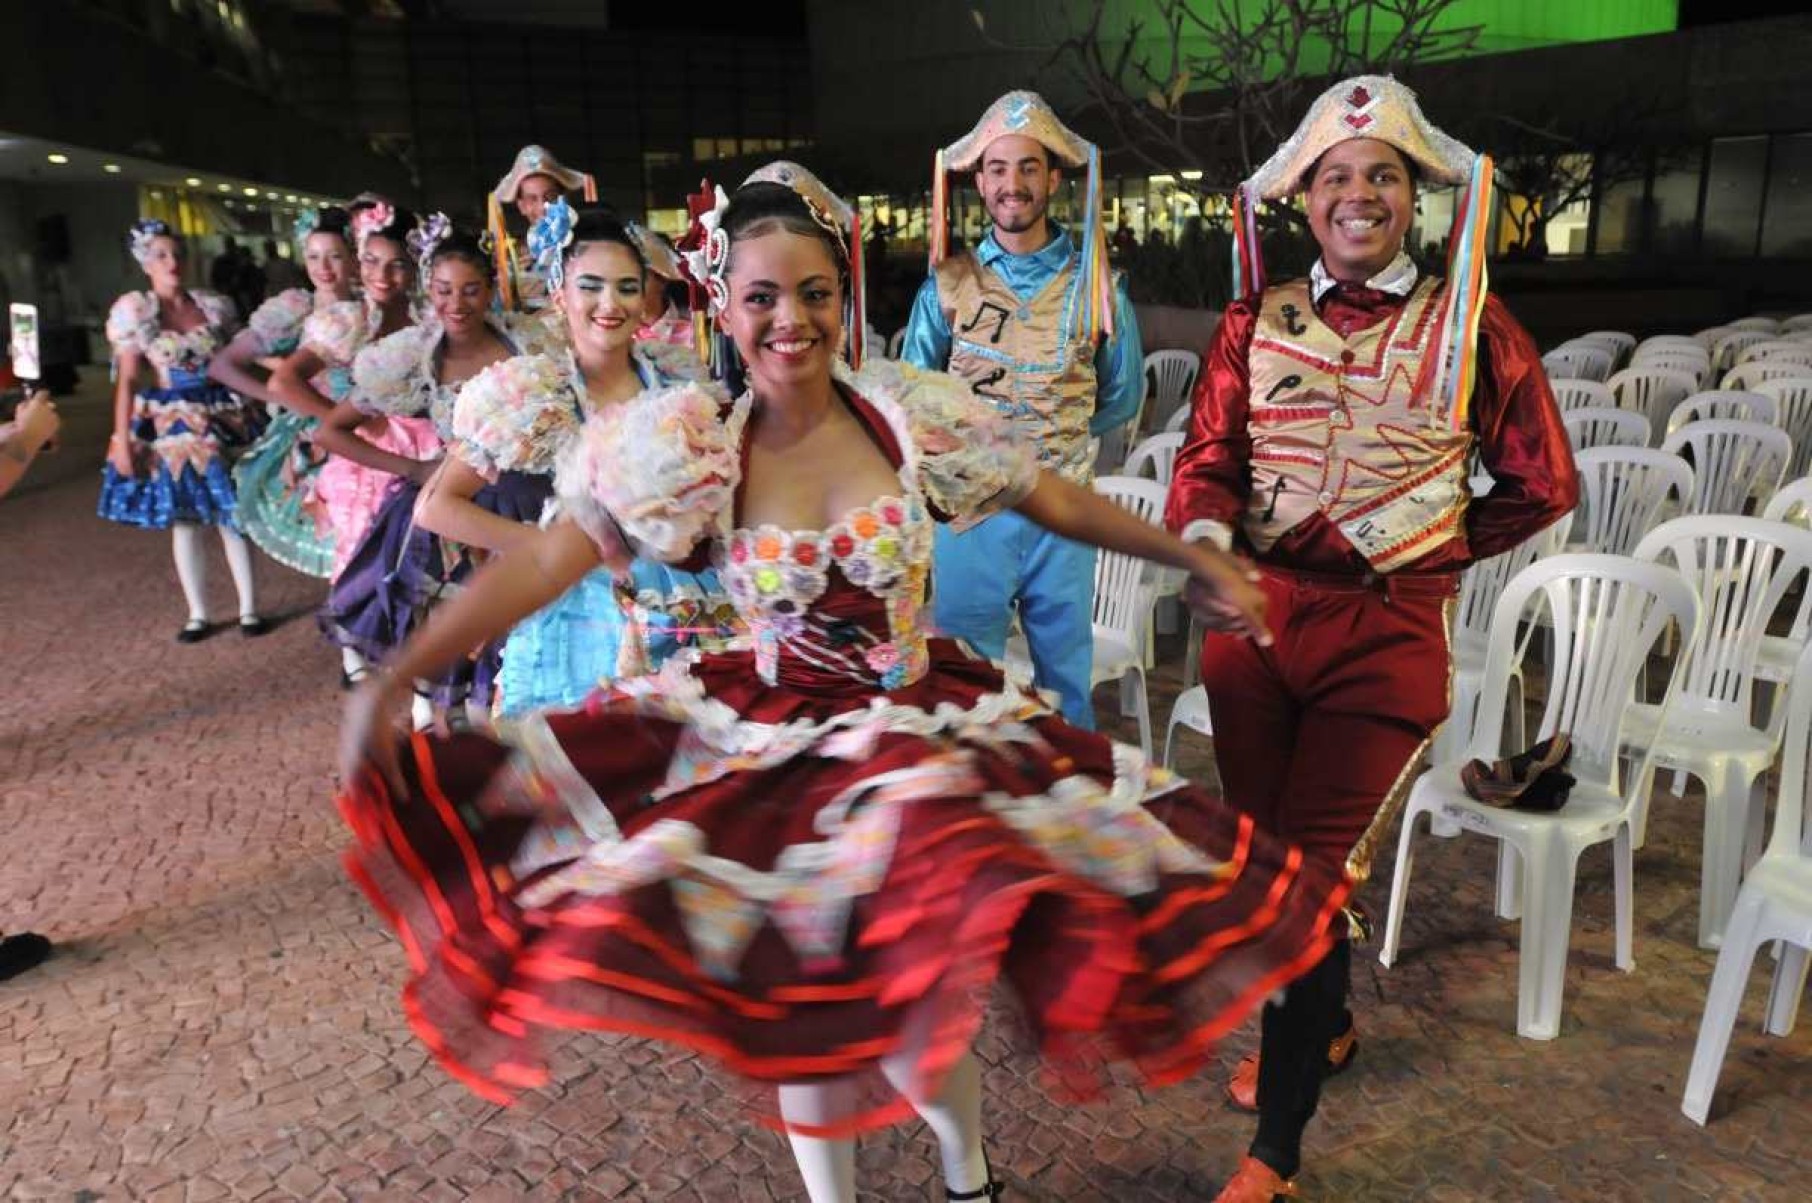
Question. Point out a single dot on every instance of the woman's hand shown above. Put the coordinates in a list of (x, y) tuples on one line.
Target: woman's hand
[(1223, 591), (119, 454), (369, 733)]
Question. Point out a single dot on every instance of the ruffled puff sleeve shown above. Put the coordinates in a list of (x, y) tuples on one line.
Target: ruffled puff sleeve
[(391, 377), (670, 364), (542, 332), (221, 313), (335, 333), (970, 464), (277, 324), (657, 473), (515, 416), (132, 322)]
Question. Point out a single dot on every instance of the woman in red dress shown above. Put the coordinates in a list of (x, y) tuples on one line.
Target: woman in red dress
[(811, 857)]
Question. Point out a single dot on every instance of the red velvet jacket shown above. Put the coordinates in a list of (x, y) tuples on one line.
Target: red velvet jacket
[(1520, 440)]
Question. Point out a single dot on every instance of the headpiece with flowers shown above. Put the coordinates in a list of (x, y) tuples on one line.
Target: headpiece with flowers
[(708, 263), (141, 235), (426, 237), (549, 238), (307, 222), (375, 219)]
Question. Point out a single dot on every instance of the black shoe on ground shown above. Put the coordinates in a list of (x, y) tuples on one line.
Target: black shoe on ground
[(194, 631), (253, 627), (21, 952)]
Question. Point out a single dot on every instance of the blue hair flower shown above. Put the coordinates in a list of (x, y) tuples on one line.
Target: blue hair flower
[(550, 237), (307, 222)]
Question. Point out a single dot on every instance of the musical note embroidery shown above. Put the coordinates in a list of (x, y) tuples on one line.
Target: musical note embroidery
[(1277, 487), (981, 314), (1291, 381), (1291, 316), (980, 387)]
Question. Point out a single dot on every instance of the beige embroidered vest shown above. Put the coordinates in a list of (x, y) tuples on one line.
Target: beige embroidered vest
[(1337, 429), (1032, 359)]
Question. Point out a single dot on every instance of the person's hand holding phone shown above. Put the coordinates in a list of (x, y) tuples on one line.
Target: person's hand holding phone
[(36, 422)]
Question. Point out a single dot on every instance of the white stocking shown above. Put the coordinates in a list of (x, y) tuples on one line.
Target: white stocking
[(351, 663), (421, 711), (191, 568), (239, 562), (828, 1167), (954, 1117)]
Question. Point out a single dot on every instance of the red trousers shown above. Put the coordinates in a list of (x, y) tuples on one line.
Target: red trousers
[(1313, 734)]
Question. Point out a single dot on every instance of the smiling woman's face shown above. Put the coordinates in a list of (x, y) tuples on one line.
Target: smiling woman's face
[(602, 296), (785, 312)]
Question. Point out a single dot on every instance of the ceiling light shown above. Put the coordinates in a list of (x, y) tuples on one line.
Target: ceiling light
[(193, 182), (249, 191), (224, 187), (290, 197), (57, 157), (111, 168)]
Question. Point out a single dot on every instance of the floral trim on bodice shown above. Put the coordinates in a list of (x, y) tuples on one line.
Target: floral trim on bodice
[(398, 375), (135, 324), (661, 475), (277, 324), (335, 334), (520, 414)]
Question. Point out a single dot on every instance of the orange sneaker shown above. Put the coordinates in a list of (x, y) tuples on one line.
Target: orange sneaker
[(1242, 1086), (1255, 1182)]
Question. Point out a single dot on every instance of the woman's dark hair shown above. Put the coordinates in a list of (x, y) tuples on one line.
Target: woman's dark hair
[(334, 220), (464, 246), (763, 207), (600, 223)]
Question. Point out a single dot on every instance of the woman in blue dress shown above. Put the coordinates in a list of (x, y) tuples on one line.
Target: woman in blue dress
[(279, 509), (168, 463), (510, 426)]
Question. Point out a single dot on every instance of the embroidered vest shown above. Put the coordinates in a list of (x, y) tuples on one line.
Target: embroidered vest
[(1337, 429), (1031, 359)]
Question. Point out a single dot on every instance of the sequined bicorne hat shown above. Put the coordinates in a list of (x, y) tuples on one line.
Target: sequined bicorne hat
[(1029, 115), (1381, 108)]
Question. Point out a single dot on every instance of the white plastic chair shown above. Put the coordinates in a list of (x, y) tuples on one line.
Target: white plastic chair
[(1741, 568), (1605, 427), (1609, 614), (1792, 397), (1746, 376), (895, 341), (1724, 403), (1653, 393), (1731, 462), (1696, 367), (1191, 711), (1480, 587), (1764, 325), (1692, 342), (1158, 456), (1577, 361), (1724, 352), (1775, 903), (1797, 323), (1581, 394), (1123, 599), (1619, 342), (1178, 421), (1170, 379), (1708, 337), (1778, 350), (1622, 491)]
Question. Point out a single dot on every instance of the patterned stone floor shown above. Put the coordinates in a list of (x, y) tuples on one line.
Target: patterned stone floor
[(221, 1018)]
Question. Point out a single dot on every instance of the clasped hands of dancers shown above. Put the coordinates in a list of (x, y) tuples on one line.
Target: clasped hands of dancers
[(724, 781)]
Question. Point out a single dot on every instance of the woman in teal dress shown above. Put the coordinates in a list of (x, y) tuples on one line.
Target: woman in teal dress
[(511, 424), (278, 506)]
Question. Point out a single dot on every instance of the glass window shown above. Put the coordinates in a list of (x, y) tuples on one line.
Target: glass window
[(1620, 218), (703, 150), (1787, 221), (1733, 195), (1674, 207), (1434, 222)]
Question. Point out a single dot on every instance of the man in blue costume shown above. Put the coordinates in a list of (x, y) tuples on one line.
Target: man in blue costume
[(1035, 321)]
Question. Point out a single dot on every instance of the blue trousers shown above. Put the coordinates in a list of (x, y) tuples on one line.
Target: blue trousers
[(980, 575)]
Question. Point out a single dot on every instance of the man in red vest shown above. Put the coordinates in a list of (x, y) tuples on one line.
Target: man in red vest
[(1332, 439)]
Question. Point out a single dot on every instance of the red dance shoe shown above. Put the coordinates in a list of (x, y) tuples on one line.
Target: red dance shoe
[(1255, 1182)]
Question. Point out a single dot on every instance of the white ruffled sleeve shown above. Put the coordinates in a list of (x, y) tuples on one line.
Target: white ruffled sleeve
[(658, 472), (970, 464), (391, 377), (671, 364), (542, 332), (221, 313), (132, 322), (515, 416), (277, 324), (335, 333)]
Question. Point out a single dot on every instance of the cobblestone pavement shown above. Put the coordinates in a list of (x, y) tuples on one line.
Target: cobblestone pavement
[(221, 1018)]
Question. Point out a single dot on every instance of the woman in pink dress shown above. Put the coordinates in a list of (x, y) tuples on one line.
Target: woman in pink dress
[(809, 858)]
